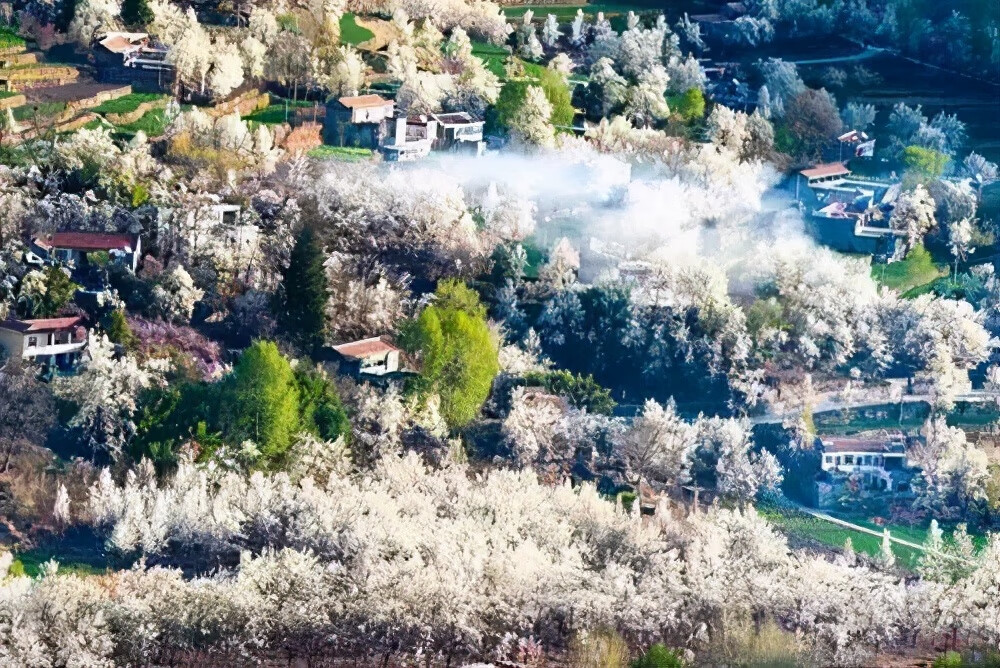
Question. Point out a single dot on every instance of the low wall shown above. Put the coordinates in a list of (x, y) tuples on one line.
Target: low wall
[(245, 103), (97, 100), (140, 111), (38, 76), (13, 101)]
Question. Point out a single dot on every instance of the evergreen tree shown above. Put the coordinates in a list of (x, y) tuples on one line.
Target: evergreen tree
[(320, 409), (137, 13), (304, 281)]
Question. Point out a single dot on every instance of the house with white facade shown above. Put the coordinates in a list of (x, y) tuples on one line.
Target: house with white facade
[(56, 343), (373, 356), (880, 462), (73, 248)]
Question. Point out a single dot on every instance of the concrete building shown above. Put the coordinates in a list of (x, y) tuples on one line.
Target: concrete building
[(72, 248), (133, 58), (368, 357), (358, 120), (56, 343), (881, 462)]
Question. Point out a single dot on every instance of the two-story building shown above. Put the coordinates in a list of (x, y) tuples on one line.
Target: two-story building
[(133, 58), (881, 462), (358, 120), (56, 343), (72, 248)]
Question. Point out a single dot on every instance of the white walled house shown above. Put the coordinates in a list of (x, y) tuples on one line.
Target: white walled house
[(72, 248), (57, 343), (881, 462), (368, 357)]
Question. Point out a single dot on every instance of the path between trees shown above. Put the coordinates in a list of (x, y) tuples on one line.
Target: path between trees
[(869, 52), (837, 404), (878, 534)]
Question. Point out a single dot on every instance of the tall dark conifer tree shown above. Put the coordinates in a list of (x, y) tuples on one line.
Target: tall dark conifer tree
[(304, 281)]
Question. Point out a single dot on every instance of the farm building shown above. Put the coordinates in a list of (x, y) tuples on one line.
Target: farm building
[(72, 248), (132, 58), (56, 343), (358, 120)]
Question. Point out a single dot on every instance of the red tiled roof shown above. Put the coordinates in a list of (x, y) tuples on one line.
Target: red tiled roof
[(121, 42), (42, 325), (827, 169), (365, 348), (856, 445), (90, 241), (363, 101)]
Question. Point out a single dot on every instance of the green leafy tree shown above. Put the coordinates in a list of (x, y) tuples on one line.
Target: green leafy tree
[(119, 331), (558, 93), (260, 401), (458, 352), (924, 161), (59, 291), (137, 13), (305, 290), (320, 409), (690, 106), (515, 91), (579, 390)]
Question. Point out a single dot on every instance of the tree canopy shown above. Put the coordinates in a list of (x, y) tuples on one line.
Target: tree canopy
[(457, 351)]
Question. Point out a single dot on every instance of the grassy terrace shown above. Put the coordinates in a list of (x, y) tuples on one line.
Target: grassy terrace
[(916, 270), (351, 33), (492, 56), (340, 153), (126, 103), (274, 114), (43, 110), (797, 524), (10, 39)]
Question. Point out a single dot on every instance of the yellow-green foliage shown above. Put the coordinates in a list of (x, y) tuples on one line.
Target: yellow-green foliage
[(457, 351), (599, 649)]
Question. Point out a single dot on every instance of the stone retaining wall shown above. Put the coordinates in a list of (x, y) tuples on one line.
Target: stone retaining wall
[(30, 77), (97, 100), (13, 101), (246, 103), (140, 111)]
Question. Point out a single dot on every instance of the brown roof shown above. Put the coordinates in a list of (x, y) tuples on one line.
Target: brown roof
[(859, 445), (121, 42), (89, 241), (43, 325), (365, 348), (827, 169), (363, 101)]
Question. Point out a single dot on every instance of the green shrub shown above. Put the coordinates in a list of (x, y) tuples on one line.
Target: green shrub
[(948, 660), (627, 499), (658, 656)]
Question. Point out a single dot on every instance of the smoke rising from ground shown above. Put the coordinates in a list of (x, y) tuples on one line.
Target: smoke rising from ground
[(718, 211)]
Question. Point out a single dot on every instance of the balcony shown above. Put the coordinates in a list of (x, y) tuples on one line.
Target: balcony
[(55, 349)]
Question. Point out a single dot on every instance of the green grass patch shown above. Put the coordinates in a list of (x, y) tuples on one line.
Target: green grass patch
[(351, 33), (494, 57), (153, 123), (7, 93), (796, 523), (10, 39), (275, 114), (43, 111), (915, 270), (341, 153), (127, 103)]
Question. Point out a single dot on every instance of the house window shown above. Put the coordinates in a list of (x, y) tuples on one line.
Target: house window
[(848, 459), (838, 461), (868, 460), (829, 459), (32, 341)]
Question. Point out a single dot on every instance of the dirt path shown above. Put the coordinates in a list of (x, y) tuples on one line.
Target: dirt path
[(869, 52)]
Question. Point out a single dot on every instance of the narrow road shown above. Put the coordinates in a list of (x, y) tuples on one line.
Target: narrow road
[(869, 52), (837, 404), (878, 534)]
